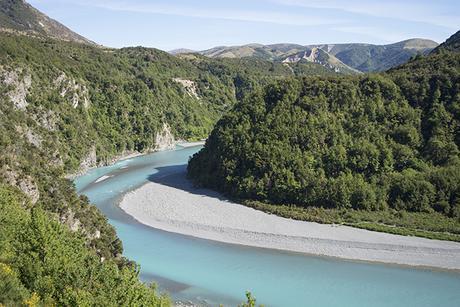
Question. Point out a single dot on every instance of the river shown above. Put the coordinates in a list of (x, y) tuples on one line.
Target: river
[(208, 272)]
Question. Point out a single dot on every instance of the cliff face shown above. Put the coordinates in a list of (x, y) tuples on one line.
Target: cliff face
[(24, 182), (89, 161), (18, 84), (164, 139)]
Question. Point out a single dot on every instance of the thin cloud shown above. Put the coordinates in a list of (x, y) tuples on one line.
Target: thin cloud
[(226, 14), (440, 13), (375, 32)]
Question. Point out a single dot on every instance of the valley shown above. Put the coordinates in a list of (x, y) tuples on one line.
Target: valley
[(132, 176)]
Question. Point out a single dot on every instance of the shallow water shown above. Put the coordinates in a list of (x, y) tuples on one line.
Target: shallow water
[(212, 272)]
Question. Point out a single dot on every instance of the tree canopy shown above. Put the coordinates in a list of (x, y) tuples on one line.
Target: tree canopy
[(374, 142)]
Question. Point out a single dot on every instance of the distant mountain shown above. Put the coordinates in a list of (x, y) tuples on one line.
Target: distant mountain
[(285, 53), (276, 52), (319, 56), (342, 57), (369, 58), (181, 51), (451, 44), (19, 16)]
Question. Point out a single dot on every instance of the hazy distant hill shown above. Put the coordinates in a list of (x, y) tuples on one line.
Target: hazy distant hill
[(342, 57), (19, 16), (181, 51)]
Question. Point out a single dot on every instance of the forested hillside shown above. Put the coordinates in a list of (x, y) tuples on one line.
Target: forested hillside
[(66, 107), (372, 151), (451, 44)]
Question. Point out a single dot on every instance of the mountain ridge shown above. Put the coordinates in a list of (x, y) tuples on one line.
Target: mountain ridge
[(451, 44), (357, 56), (20, 17)]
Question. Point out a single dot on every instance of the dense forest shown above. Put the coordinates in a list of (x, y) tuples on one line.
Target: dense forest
[(373, 151), (68, 106)]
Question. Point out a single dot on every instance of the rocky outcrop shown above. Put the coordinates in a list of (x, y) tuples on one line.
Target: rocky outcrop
[(69, 88), (56, 159), (89, 161), (46, 119), (74, 224), (30, 136), (165, 139), (189, 86), (19, 83), (25, 183), (70, 220), (322, 57)]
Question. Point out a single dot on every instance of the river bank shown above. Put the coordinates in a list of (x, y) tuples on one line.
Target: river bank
[(207, 272), (172, 204), (90, 162)]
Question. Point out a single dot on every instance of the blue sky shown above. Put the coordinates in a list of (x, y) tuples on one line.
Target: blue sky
[(202, 24)]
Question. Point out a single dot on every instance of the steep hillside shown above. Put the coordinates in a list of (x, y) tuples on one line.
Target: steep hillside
[(372, 151), (19, 16), (76, 106), (68, 106), (451, 44), (43, 263)]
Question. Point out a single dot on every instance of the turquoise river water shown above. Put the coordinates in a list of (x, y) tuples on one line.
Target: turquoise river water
[(210, 272)]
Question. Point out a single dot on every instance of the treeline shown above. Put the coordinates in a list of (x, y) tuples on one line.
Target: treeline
[(375, 143)]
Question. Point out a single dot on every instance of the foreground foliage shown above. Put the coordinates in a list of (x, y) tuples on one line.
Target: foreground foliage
[(44, 263)]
